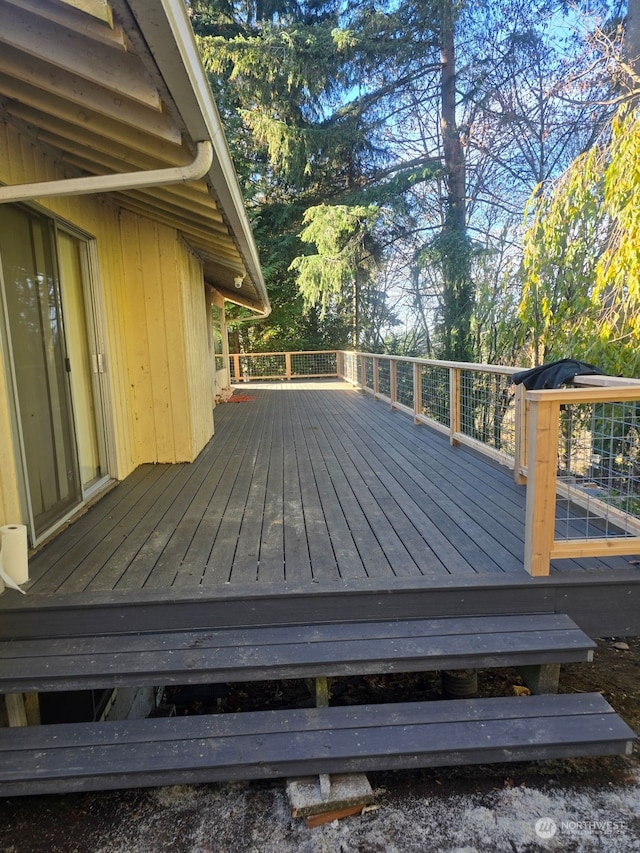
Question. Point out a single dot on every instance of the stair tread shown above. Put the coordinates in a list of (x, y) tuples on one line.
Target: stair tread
[(263, 744), (210, 655)]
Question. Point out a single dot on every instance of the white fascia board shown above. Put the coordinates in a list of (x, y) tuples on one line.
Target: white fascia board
[(167, 31)]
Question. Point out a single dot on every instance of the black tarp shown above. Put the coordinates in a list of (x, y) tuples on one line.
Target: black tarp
[(554, 374)]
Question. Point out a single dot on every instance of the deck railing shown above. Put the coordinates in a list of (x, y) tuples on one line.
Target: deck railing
[(475, 404), (583, 485), (283, 365), (577, 448)]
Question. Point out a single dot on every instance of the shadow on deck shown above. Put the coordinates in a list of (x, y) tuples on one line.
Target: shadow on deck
[(315, 492)]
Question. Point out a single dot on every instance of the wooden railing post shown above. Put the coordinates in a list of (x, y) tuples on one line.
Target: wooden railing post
[(393, 381), (520, 450), (454, 404), (417, 391), (236, 366), (375, 361), (287, 364), (544, 417)]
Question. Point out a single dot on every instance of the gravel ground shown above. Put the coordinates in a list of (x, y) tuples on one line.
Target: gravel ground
[(510, 816)]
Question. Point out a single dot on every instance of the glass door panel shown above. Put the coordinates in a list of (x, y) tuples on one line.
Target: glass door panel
[(37, 347)]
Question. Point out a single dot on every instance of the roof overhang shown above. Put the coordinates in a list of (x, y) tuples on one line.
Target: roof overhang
[(118, 87)]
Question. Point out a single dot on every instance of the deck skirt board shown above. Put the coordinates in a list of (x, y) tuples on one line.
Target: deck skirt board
[(266, 744)]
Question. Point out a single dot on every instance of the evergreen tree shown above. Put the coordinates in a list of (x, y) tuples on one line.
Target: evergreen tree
[(373, 137)]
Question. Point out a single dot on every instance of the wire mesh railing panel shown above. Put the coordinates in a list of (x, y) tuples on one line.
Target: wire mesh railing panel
[(384, 377), (314, 364), (261, 365), (487, 409), (435, 402), (404, 383), (349, 366), (598, 471), (366, 372)]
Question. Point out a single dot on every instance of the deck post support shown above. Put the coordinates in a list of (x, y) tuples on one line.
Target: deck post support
[(541, 483), (322, 691), (541, 678), (322, 701), (236, 367), (357, 784), (376, 367), (287, 365), (454, 405), (16, 710)]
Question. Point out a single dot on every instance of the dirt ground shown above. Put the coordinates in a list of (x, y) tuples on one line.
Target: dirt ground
[(573, 806)]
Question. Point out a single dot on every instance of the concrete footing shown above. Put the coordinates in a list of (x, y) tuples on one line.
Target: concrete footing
[(326, 798)]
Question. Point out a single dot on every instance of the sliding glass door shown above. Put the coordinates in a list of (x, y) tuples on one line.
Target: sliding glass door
[(57, 416)]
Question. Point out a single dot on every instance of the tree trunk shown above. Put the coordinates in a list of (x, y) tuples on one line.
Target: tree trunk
[(454, 244), (632, 41)]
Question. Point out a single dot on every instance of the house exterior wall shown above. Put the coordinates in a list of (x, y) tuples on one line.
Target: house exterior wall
[(152, 309), (9, 494), (166, 341)]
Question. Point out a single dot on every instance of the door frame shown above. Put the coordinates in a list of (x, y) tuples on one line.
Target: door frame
[(94, 316)]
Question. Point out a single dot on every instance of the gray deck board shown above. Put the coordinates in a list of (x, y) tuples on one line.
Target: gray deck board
[(306, 483), (297, 562), (264, 744), (253, 654)]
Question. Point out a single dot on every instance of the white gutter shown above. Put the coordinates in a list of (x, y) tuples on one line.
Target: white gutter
[(114, 182)]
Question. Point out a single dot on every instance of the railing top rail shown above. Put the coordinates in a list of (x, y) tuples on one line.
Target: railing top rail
[(605, 381), (591, 394), (592, 382), (432, 362), (287, 352)]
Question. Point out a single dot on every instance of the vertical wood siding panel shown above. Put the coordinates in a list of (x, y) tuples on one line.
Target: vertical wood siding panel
[(9, 496), (197, 318), (155, 281), (112, 266), (136, 350), (177, 336)]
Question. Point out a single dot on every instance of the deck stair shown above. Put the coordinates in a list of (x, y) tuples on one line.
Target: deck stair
[(92, 756)]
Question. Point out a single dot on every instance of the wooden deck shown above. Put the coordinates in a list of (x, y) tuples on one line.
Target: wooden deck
[(310, 487)]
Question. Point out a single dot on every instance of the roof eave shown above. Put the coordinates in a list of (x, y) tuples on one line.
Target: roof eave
[(165, 26)]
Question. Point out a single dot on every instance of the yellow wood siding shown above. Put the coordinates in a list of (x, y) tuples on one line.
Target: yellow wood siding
[(198, 367), (9, 496), (167, 341), (151, 294)]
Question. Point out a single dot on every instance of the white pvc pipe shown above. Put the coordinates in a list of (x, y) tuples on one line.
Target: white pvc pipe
[(114, 182)]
